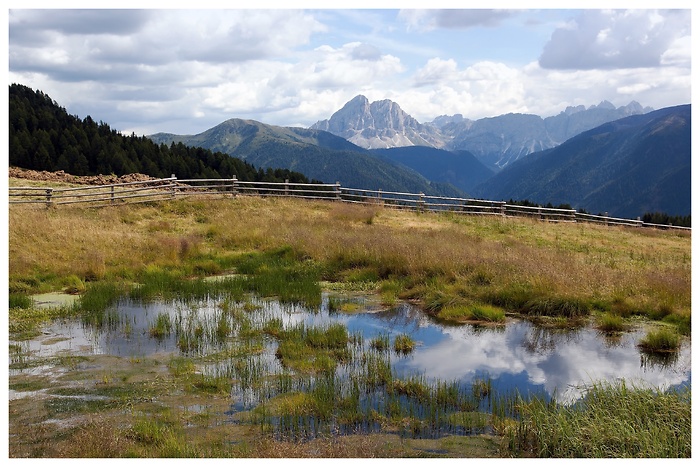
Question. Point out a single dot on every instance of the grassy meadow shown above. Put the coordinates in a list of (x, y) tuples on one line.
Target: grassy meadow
[(462, 266), (457, 268)]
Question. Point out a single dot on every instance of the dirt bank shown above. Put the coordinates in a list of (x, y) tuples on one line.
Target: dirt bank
[(61, 176)]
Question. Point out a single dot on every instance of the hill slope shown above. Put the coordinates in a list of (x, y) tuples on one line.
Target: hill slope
[(43, 136), (459, 168), (627, 167), (318, 154)]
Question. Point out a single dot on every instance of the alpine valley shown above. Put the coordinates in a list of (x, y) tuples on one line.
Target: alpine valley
[(626, 161)]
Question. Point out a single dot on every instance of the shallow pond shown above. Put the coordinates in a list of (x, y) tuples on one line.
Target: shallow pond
[(516, 356)]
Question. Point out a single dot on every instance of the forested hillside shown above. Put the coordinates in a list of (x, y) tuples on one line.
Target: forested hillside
[(632, 166), (43, 136), (316, 153)]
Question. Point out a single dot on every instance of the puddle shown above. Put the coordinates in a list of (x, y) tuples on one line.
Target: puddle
[(54, 300), (518, 356)]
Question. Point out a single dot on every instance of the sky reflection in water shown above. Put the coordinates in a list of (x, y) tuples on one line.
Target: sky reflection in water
[(518, 355)]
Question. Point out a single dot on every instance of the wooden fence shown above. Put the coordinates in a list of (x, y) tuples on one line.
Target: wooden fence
[(169, 188)]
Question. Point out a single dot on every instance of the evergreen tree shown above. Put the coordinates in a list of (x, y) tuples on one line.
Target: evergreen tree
[(43, 136)]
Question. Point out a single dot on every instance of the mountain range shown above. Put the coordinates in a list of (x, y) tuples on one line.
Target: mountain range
[(627, 167), (317, 154), (626, 161), (495, 141)]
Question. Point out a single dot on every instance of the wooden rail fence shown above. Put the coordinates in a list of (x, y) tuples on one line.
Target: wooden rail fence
[(169, 188)]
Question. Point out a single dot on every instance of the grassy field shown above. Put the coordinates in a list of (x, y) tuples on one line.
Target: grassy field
[(457, 268), (444, 260)]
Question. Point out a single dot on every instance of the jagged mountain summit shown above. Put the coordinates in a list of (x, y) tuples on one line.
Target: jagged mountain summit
[(380, 124), (494, 141)]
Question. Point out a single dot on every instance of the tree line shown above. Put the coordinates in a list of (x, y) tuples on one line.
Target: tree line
[(43, 136), (650, 218)]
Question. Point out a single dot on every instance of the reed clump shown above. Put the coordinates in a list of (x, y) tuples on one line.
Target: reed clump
[(660, 340), (611, 323), (612, 421), (404, 344)]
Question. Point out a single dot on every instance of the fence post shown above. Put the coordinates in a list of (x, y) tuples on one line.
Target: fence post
[(234, 191), (379, 194), (503, 209), (286, 187), (173, 190), (607, 222), (337, 191), (421, 202), (49, 194), (111, 189)]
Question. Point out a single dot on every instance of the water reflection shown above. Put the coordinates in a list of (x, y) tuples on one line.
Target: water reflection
[(518, 356)]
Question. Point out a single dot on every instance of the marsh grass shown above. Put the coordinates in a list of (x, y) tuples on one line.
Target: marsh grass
[(472, 312), (161, 327), (20, 300), (611, 323), (285, 248), (404, 344), (380, 343), (660, 340), (556, 307), (316, 349), (612, 421), (518, 265)]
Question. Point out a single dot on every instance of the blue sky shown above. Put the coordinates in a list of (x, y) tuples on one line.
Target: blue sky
[(186, 70)]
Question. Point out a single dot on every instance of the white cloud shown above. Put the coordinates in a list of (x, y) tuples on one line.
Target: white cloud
[(184, 71), (614, 39), (228, 36), (427, 20), (483, 89), (436, 70)]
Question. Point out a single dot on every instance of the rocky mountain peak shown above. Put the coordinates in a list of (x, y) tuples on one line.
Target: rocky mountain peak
[(380, 124), (604, 105), (495, 141)]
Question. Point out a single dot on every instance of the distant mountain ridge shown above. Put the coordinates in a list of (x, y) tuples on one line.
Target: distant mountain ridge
[(494, 141), (628, 167), (317, 154), (237, 134)]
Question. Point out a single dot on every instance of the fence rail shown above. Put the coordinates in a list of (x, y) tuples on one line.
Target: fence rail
[(169, 188)]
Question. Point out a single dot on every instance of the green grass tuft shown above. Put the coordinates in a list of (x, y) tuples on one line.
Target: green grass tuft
[(612, 421), (660, 340)]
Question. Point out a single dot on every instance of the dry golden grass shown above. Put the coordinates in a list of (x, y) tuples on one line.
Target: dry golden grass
[(643, 268)]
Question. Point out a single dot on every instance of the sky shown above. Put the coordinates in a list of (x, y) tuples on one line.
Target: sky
[(188, 69)]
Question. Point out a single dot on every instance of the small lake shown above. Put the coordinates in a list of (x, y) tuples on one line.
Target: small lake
[(516, 356)]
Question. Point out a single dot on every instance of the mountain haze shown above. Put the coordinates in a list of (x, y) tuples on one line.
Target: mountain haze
[(499, 141), (627, 167)]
